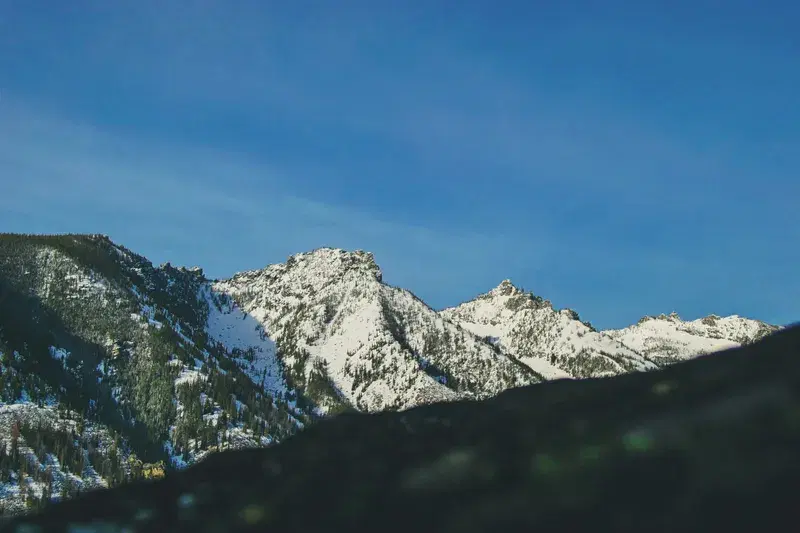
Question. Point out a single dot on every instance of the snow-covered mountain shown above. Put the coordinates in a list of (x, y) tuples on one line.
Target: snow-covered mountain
[(666, 338), (554, 343), (372, 345), (170, 365), (558, 344), (124, 364)]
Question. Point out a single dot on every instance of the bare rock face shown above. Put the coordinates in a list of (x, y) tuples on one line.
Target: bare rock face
[(708, 444)]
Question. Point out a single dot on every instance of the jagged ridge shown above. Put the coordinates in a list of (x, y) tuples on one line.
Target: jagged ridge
[(171, 365)]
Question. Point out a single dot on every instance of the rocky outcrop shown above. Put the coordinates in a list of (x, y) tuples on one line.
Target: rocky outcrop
[(707, 444), (553, 343)]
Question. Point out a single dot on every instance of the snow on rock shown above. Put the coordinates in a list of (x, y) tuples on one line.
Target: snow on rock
[(244, 336), (667, 338), (57, 270), (553, 343), (378, 346), (12, 493), (189, 376)]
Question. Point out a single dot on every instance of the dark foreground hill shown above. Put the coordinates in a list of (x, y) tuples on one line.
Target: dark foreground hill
[(709, 444)]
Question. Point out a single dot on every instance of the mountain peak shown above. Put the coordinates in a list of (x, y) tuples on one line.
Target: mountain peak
[(506, 288), (329, 260), (672, 317)]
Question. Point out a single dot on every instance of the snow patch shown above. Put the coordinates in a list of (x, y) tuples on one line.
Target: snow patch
[(241, 333)]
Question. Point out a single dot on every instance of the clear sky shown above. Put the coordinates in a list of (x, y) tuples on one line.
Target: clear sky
[(619, 158)]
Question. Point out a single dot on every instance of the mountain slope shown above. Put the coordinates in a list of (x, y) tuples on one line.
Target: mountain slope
[(89, 327), (49, 454), (668, 339), (705, 445), (172, 366), (554, 343), (340, 330)]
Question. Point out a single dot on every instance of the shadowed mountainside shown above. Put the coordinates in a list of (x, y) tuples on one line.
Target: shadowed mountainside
[(707, 443)]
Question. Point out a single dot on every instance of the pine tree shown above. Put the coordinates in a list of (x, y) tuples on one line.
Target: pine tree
[(66, 487), (14, 440), (47, 491)]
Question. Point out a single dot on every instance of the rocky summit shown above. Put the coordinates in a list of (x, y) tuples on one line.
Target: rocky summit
[(706, 444)]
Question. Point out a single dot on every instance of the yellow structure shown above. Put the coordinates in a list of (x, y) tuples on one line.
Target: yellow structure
[(153, 470)]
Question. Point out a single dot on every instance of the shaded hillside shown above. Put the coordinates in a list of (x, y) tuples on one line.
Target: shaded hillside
[(706, 444), (90, 328)]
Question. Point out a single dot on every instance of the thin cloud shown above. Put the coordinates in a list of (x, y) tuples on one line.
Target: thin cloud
[(572, 160), (90, 180), (176, 202)]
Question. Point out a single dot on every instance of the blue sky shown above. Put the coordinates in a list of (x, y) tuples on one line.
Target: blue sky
[(619, 158)]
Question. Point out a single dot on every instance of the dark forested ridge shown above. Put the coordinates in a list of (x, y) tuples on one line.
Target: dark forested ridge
[(96, 335), (705, 444)]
